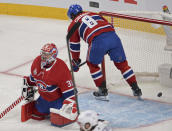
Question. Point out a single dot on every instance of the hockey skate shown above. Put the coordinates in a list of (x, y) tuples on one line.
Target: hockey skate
[(136, 91), (102, 93)]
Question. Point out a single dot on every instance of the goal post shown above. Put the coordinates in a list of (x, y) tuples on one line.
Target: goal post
[(143, 39)]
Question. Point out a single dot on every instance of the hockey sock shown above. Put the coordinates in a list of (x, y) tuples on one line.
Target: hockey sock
[(96, 73), (126, 71)]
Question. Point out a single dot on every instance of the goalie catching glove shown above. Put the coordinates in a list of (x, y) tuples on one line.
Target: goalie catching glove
[(28, 91), (75, 65)]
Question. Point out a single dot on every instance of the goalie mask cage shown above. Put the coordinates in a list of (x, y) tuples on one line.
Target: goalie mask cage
[(143, 40)]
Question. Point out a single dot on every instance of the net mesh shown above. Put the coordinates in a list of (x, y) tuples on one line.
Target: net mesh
[(143, 43)]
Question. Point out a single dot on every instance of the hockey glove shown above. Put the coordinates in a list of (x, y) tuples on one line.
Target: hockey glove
[(75, 65), (28, 91)]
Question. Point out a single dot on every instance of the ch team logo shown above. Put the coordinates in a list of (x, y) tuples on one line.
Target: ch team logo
[(42, 86)]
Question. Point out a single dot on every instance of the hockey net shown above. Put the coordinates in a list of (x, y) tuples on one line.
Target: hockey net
[(143, 40)]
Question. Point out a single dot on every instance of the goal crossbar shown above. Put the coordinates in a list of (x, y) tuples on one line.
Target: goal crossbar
[(136, 18)]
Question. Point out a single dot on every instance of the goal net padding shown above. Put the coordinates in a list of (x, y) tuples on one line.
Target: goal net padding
[(144, 41)]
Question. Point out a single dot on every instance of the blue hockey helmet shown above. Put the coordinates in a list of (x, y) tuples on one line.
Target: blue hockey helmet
[(74, 10)]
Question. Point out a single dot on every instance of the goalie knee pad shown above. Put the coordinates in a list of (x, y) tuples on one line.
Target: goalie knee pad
[(39, 116)]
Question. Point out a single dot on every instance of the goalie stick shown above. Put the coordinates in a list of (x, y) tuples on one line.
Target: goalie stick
[(70, 33), (15, 103)]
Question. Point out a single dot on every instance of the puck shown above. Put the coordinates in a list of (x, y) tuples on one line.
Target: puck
[(159, 94)]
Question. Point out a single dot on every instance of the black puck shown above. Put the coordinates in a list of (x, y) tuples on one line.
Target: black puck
[(159, 94)]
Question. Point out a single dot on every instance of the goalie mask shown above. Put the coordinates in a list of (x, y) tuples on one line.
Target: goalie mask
[(48, 54), (87, 120)]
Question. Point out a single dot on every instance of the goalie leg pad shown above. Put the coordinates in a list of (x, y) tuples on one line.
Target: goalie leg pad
[(26, 111), (59, 120), (67, 114)]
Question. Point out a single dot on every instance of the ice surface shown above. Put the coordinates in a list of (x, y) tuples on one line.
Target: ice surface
[(21, 39)]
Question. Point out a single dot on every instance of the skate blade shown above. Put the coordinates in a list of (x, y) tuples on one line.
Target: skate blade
[(139, 98), (102, 98)]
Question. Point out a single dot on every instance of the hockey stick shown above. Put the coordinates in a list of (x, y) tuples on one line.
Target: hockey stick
[(15, 103), (70, 33), (81, 64)]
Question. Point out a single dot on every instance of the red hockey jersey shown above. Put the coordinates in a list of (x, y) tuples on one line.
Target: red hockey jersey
[(53, 82), (92, 24)]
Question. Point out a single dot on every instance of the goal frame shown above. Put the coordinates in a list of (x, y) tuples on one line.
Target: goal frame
[(136, 18)]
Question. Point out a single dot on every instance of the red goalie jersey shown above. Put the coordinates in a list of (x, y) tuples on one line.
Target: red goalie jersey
[(53, 82)]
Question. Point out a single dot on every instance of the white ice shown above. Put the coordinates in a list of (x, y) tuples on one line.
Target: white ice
[(21, 40)]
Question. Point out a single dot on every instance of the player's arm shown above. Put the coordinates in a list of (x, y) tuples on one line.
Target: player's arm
[(74, 43), (66, 85), (74, 46), (30, 80), (68, 109)]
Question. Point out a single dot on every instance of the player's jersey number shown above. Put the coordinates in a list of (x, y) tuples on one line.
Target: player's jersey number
[(69, 83), (90, 22)]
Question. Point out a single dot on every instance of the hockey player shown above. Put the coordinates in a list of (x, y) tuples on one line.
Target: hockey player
[(165, 9), (167, 29), (102, 39), (56, 92), (88, 121)]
